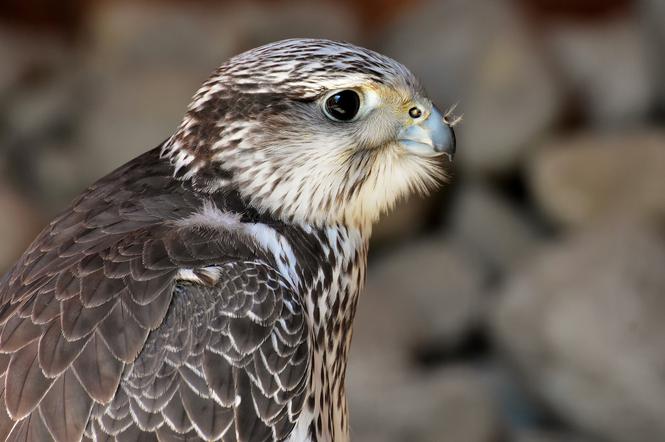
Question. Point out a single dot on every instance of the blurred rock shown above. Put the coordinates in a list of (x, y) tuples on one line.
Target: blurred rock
[(43, 105), (131, 116), (584, 325), (38, 100), (479, 54), (9, 52), (652, 14), (207, 34), (424, 294), (547, 436), (421, 296), (591, 177), (409, 218), (450, 405), (58, 173), (513, 101), (19, 224), (25, 55), (259, 23), (490, 229), (607, 68)]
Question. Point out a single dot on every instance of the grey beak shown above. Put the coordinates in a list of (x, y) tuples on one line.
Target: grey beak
[(430, 136)]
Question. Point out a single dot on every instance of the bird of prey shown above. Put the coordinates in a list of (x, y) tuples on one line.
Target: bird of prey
[(206, 289)]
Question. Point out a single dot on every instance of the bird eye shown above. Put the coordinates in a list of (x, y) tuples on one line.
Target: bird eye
[(414, 113), (342, 105)]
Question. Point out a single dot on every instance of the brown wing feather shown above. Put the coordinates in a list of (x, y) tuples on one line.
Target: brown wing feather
[(87, 349), (210, 348), (66, 408), (66, 330)]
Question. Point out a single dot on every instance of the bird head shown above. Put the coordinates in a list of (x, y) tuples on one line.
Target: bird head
[(313, 131)]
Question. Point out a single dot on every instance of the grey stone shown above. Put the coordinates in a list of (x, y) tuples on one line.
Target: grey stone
[(38, 110), (591, 177), (548, 436), (607, 66), (583, 324), (58, 173), (652, 13), (450, 405), (490, 229), (38, 80), (259, 23), (131, 115), (22, 53), (131, 35), (422, 294), (408, 219)]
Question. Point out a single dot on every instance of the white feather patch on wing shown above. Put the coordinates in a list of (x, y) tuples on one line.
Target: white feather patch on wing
[(266, 237)]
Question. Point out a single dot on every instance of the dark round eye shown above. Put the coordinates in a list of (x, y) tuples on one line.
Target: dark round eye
[(414, 112), (343, 105)]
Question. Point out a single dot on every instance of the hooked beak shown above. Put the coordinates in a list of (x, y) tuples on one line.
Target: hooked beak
[(429, 137)]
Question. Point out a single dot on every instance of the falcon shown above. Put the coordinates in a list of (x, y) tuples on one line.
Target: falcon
[(206, 290)]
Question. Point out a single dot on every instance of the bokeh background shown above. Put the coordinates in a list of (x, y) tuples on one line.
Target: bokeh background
[(524, 302)]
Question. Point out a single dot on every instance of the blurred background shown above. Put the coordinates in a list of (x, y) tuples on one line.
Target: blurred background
[(525, 302)]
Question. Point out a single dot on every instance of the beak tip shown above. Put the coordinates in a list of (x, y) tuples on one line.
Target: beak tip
[(448, 145), (434, 135)]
